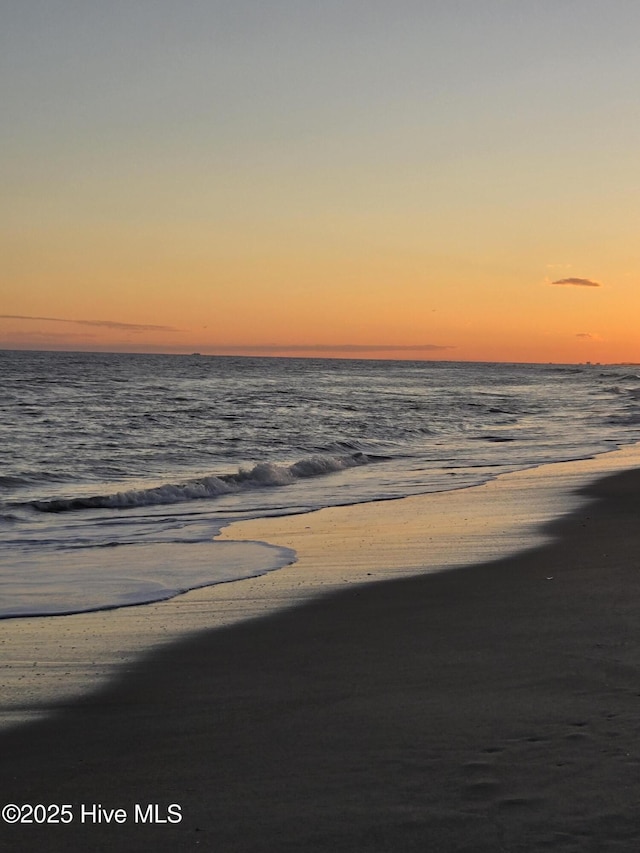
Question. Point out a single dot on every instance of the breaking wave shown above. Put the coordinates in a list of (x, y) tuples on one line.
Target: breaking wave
[(263, 475)]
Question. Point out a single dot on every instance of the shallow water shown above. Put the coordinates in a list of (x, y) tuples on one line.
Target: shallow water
[(118, 470)]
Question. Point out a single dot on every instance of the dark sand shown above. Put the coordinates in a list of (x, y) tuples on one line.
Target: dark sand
[(483, 709)]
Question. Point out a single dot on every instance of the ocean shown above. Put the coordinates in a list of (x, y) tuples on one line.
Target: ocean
[(118, 470)]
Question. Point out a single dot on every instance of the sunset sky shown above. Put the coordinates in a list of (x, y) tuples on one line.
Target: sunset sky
[(451, 179)]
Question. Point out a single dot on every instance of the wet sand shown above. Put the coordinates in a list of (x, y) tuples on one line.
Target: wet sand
[(51, 660), (488, 708)]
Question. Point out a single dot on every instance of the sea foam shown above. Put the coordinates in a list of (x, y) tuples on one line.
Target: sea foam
[(262, 475)]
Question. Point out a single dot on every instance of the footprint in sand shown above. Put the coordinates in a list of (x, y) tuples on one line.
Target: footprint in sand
[(480, 782), (575, 733)]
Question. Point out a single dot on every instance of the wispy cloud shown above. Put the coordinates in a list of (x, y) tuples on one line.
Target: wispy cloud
[(107, 324), (591, 336), (577, 282), (330, 347), (46, 337)]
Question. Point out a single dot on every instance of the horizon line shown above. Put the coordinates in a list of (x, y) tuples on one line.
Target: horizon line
[(196, 354)]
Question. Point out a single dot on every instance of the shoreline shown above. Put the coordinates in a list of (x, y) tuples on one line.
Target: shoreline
[(491, 707), (50, 661)]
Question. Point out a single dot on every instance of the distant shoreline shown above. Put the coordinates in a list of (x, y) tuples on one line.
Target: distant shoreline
[(314, 356)]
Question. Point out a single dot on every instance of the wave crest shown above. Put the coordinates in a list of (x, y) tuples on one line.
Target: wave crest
[(262, 475)]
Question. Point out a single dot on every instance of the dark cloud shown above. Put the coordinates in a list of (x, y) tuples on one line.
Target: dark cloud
[(107, 324), (577, 282), (331, 348), (135, 327), (20, 337)]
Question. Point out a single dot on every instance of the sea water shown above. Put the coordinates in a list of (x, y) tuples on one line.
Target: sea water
[(117, 471)]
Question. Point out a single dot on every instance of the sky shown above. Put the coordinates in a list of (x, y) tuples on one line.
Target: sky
[(444, 179)]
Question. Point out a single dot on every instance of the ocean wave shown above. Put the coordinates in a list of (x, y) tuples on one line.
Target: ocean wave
[(9, 517), (29, 479), (631, 419), (625, 375), (570, 369), (262, 475), (341, 446)]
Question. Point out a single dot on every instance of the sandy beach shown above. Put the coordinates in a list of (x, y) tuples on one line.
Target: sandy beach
[(486, 708), (319, 427)]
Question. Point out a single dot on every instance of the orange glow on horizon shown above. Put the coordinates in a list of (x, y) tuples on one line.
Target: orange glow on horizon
[(323, 184)]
